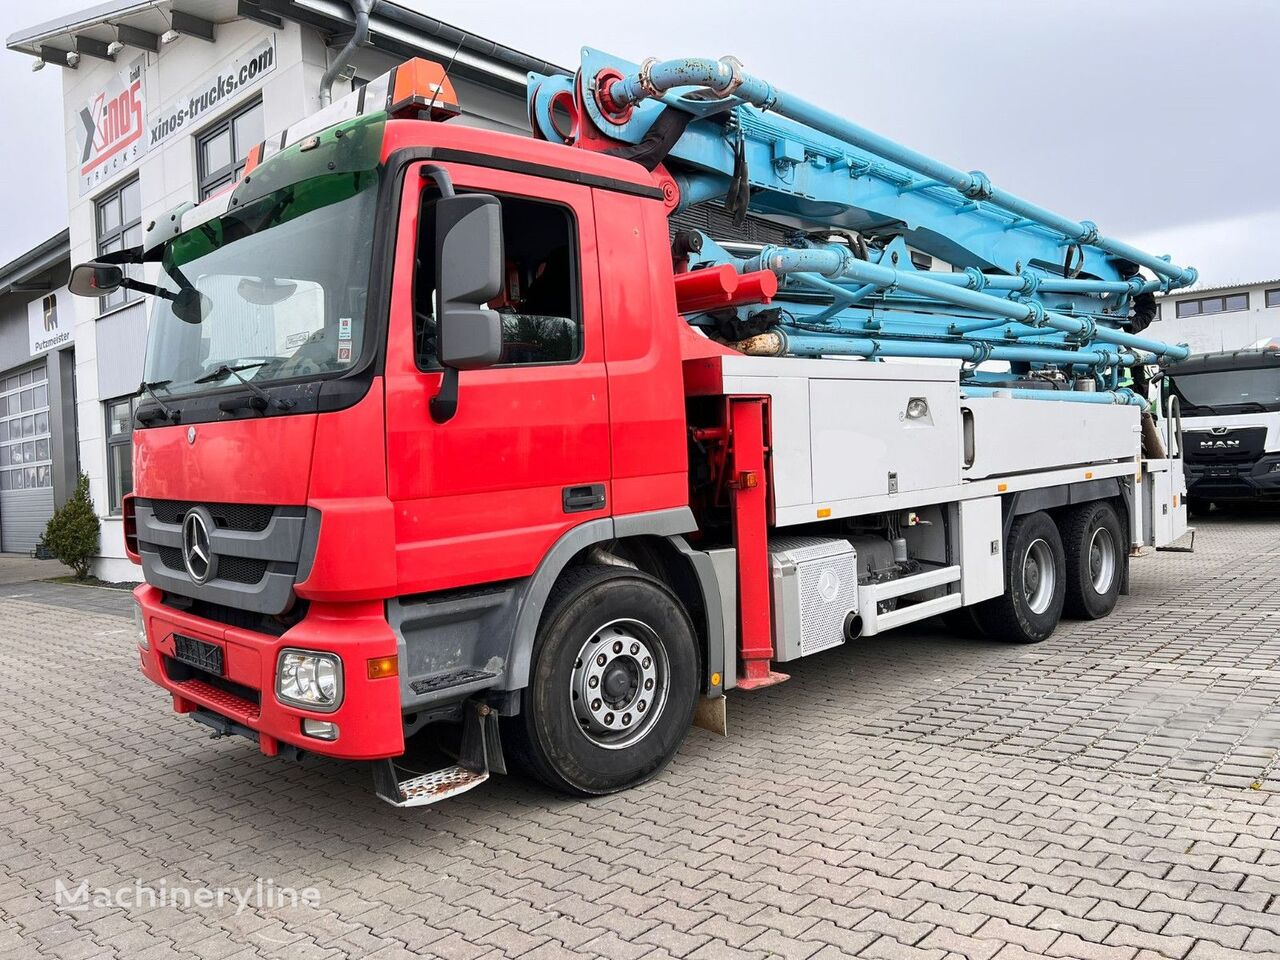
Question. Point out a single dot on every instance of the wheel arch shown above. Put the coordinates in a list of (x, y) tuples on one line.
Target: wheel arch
[(652, 543)]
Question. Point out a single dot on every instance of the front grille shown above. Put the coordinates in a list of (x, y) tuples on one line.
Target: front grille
[(250, 517), (235, 569), (171, 557), (1235, 445), (241, 569), (257, 550)]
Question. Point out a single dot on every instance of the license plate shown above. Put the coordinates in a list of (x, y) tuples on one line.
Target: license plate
[(198, 653)]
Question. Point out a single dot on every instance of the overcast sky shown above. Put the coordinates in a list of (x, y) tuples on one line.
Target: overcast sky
[(1158, 119)]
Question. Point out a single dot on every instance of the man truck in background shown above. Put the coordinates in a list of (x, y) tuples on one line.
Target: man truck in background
[(1230, 408), (445, 427)]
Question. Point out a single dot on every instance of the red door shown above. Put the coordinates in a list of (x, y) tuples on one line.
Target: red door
[(483, 496)]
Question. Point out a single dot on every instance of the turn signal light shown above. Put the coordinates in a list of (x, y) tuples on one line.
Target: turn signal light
[(380, 667)]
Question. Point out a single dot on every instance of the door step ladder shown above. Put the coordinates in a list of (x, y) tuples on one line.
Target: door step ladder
[(481, 753)]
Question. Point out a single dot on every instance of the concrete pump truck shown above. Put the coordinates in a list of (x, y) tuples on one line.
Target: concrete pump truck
[(446, 429)]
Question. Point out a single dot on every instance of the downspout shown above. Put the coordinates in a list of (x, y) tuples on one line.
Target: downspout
[(362, 9)]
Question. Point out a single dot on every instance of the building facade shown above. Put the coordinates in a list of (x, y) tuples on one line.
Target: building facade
[(38, 452), (163, 99), (1209, 319)]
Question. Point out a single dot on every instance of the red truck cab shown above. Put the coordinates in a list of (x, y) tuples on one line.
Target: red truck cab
[(330, 563)]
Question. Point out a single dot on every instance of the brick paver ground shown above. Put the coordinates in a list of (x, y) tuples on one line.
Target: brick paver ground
[(1109, 793)]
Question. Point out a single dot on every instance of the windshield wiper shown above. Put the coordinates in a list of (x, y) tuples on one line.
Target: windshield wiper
[(223, 370), (260, 401), (150, 388)]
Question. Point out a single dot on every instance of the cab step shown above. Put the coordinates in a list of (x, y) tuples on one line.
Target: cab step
[(481, 754)]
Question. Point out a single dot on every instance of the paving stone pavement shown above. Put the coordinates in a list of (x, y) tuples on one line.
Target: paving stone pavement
[(1109, 793)]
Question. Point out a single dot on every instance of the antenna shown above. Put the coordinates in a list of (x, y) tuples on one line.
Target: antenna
[(447, 67)]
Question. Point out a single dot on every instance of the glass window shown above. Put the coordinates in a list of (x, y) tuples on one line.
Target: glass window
[(119, 449), (1230, 303), (1273, 298), (25, 444), (281, 300), (541, 322), (222, 148), (119, 227)]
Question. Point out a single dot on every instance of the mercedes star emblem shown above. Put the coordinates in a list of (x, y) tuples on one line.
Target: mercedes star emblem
[(191, 434), (197, 553)]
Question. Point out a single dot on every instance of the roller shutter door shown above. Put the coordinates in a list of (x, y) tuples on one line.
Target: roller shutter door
[(26, 463)]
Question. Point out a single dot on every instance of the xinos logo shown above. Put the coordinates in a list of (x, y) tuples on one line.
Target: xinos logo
[(111, 124)]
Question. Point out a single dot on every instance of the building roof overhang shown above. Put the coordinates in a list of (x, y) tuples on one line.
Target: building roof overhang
[(393, 28)]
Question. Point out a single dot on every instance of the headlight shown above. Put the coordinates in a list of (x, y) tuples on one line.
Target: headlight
[(308, 679), (140, 622)]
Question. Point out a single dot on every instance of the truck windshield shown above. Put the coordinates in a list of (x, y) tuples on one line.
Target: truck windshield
[(274, 291), (1229, 391)]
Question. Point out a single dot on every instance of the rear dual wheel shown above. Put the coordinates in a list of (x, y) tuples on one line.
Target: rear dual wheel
[(1035, 579), (1095, 552)]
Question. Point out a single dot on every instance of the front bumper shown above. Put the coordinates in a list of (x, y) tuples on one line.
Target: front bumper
[(369, 717), (1235, 481)]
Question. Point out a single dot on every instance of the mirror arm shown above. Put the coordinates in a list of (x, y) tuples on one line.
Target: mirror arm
[(443, 182), (445, 403), (150, 289)]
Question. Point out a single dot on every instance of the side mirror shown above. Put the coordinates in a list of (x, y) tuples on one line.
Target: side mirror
[(95, 279), (468, 256), (468, 232)]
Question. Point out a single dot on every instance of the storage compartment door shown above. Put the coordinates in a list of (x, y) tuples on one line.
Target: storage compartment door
[(865, 445)]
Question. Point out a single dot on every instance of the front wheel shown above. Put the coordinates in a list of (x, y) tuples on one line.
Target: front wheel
[(1035, 584), (612, 686)]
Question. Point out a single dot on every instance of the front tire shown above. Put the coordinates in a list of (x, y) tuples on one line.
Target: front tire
[(612, 685), (1092, 539), (1035, 584)]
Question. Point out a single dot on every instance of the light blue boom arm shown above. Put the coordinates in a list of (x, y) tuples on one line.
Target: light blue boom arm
[(1052, 285)]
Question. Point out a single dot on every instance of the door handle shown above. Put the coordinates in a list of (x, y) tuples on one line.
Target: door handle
[(583, 498)]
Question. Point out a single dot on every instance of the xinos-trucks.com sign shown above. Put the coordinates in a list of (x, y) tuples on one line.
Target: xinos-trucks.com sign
[(110, 129), (203, 100)]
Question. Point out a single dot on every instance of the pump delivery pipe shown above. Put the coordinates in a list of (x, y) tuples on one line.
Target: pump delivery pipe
[(796, 343), (726, 78), (1120, 396), (833, 262)]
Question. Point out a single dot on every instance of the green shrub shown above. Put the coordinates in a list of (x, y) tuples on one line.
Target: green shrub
[(72, 535)]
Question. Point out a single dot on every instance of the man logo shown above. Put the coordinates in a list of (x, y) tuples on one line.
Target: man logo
[(49, 307)]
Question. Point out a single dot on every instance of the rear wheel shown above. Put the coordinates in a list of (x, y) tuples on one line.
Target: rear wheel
[(1093, 542), (1035, 584), (612, 686)]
